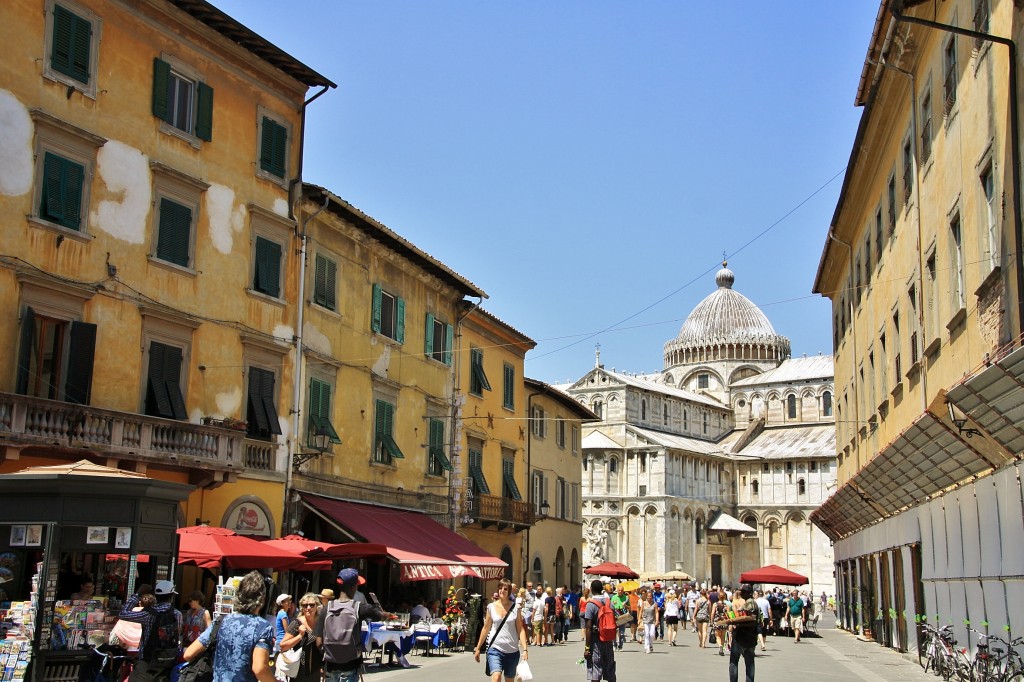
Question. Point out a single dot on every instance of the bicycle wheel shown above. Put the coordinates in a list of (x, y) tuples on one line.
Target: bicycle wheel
[(1013, 674)]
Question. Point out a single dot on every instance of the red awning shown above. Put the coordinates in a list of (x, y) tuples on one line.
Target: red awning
[(422, 547)]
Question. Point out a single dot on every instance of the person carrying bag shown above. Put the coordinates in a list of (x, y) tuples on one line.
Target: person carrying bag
[(501, 644)]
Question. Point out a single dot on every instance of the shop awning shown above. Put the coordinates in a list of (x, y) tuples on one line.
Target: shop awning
[(422, 547), (992, 398), (724, 523)]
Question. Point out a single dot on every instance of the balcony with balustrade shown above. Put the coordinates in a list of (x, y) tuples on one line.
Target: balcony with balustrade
[(502, 512)]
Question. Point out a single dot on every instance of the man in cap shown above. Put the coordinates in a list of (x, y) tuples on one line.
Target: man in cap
[(744, 632), (599, 656), (659, 601), (161, 633), (339, 629)]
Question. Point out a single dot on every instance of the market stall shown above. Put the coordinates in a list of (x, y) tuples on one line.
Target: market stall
[(71, 537)]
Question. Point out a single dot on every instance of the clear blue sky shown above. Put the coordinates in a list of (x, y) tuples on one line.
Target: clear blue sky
[(589, 162)]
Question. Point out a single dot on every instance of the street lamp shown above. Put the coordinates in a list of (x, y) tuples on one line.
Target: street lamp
[(544, 507), (321, 444), (959, 419)]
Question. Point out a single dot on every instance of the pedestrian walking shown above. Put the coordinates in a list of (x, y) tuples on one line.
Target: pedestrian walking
[(702, 616), (672, 610), (599, 656), (501, 637), (284, 615), (338, 629), (195, 620), (744, 623), (795, 607), (161, 633), (300, 641), (620, 604), (659, 601), (764, 624), (244, 638), (649, 617)]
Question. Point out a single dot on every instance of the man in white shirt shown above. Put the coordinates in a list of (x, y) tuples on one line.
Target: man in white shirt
[(766, 617), (420, 612)]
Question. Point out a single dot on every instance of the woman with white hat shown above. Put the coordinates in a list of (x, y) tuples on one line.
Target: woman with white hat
[(672, 611)]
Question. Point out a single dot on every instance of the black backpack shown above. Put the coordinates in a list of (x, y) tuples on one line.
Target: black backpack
[(161, 647)]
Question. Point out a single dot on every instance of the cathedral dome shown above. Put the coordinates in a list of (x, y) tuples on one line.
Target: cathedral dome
[(726, 325)]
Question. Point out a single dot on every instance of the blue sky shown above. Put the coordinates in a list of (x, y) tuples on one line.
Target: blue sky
[(587, 163)]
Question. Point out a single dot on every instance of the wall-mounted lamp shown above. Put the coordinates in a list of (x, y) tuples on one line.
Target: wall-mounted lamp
[(544, 508), (959, 419), (321, 444)]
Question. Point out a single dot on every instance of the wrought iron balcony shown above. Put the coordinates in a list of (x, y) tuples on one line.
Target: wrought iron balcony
[(504, 512), (212, 454)]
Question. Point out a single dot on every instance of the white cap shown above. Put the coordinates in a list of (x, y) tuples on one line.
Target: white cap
[(282, 598), (164, 587)]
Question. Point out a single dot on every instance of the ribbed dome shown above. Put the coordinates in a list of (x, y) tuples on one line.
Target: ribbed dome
[(726, 319)]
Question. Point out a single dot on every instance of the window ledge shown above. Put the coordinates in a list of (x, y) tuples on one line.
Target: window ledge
[(958, 318), (190, 139), (897, 390), (324, 310), (883, 405), (87, 89), (266, 298), (913, 370), (60, 230), (933, 347), (270, 177), (387, 339), (390, 466), (174, 267), (991, 279)]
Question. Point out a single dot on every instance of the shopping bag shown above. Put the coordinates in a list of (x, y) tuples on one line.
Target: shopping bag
[(523, 671)]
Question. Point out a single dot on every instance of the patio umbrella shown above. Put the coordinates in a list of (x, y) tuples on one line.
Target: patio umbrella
[(676, 575), (214, 547), (321, 555), (612, 569), (773, 574), (629, 585)]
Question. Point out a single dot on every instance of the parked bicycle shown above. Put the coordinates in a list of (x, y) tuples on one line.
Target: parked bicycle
[(993, 664), (941, 656)]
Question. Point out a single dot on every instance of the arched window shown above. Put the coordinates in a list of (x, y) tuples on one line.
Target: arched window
[(643, 410), (613, 465), (755, 487), (686, 420), (826, 404), (791, 406), (801, 487), (665, 411), (599, 409), (698, 531), (773, 534)]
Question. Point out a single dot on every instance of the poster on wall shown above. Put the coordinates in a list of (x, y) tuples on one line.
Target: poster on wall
[(97, 535), (123, 538), (34, 535), (17, 536)]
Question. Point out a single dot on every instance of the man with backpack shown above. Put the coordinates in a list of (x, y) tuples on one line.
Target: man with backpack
[(599, 635), (339, 629), (161, 633)]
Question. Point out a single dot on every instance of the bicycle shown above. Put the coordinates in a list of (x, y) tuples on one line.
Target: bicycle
[(992, 664), (941, 655)]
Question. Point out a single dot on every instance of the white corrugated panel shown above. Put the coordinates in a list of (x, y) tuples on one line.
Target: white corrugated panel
[(938, 539), (957, 611), (988, 490), (977, 612), (994, 595), (924, 515), (953, 537), (1015, 596), (1011, 516), (971, 532)]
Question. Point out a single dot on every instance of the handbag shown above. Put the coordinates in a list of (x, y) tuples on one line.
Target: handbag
[(288, 662), (201, 669), (487, 643)]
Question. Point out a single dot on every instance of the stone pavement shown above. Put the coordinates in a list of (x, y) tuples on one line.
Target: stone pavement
[(833, 655)]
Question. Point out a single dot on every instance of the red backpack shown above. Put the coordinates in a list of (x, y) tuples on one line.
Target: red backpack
[(607, 630)]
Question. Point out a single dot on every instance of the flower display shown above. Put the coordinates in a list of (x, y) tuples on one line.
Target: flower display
[(452, 611)]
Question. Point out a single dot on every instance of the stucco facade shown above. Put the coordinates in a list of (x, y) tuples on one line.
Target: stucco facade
[(922, 265)]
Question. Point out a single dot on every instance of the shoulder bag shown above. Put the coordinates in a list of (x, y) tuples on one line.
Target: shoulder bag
[(201, 669), (487, 642)]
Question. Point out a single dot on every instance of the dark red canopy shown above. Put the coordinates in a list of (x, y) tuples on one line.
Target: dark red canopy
[(215, 547), (612, 569), (773, 574)]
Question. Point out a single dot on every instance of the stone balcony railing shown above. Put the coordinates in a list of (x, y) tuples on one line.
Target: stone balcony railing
[(27, 422), (489, 510)]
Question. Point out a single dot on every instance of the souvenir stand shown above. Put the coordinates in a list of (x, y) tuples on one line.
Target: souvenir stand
[(64, 526)]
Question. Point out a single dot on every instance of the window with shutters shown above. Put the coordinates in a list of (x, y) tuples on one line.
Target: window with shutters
[(538, 422), (508, 394), (890, 194), (538, 492), (438, 336), (72, 45), (325, 282), (989, 221), (65, 159), (267, 265), (478, 382), (182, 100), (385, 449), (926, 125), (274, 137), (176, 202), (55, 357), (437, 461), (164, 396), (319, 421), (908, 170), (388, 314), (956, 260), (476, 468), (509, 488), (261, 406), (560, 432), (950, 74), (575, 433)]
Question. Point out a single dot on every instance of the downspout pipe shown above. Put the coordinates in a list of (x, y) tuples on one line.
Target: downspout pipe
[(296, 410), (1018, 239), (297, 180)]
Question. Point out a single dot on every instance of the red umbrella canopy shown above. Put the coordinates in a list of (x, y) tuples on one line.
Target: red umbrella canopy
[(612, 569), (213, 547), (773, 574)]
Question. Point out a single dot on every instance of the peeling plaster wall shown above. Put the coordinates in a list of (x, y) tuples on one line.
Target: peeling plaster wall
[(15, 146), (125, 172), (226, 219), (229, 402)]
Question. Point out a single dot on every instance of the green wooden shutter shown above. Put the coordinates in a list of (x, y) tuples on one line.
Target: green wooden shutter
[(175, 232), (256, 416), (428, 336), (273, 147), (28, 335), (375, 319), (332, 285), (161, 75), (380, 418), (399, 320), (314, 409), (72, 41), (267, 398), (280, 150), (61, 200), (320, 281), (81, 352), (449, 335), (266, 144), (204, 112), (509, 392), (268, 267), (172, 382)]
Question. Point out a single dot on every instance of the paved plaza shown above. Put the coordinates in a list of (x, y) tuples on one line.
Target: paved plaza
[(833, 655)]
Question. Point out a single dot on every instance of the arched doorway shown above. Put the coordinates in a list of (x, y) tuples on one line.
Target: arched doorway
[(506, 556), (560, 567)]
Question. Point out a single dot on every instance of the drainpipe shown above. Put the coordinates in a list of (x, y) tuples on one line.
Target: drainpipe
[(853, 328), (920, 236), (529, 481), (1011, 48), (453, 514), (297, 180), (297, 385)]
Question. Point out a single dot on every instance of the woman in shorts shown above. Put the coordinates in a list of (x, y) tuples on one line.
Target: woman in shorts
[(672, 611)]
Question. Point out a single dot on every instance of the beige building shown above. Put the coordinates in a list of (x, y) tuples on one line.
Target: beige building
[(922, 265), (553, 547)]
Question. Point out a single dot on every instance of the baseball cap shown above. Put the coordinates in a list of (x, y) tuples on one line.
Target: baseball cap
[(347, 576), (282, 598), (657, 586), (164, 587)]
